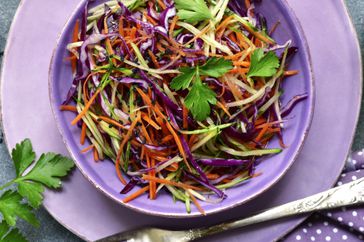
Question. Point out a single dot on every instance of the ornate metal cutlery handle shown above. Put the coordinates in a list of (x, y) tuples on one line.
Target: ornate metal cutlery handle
[(348, 194)]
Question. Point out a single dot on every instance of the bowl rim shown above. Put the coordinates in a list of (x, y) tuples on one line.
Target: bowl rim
[(311, 98)]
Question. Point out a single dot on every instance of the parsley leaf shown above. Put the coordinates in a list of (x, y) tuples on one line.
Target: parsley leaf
[(48, 170), (23, 156), (192, 10), (10, 235), (31, 191), (11, 207), (199, 99), (183, 80), (216, 67), (263, 65)]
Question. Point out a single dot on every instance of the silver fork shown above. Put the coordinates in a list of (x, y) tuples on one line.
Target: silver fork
[(348, 194)]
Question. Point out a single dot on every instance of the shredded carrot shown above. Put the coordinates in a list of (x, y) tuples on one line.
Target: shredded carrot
[(127, 136), (111, 121), (239, 71), (85, 109), (224, 108), (173, 25), (87, 148), (241, 63), (68, 108), (192, 140), (167, 138), (145, 133), (153, 58), (261, 133), (178, 143), (161, 4), (75, 39), (136, 194), (234, 57), (121, 25), (151, 122), (197, 204), (118, 172), (291, 73), (96, 155), (224, 23), (83, 134), (169, 182), (275, 26)]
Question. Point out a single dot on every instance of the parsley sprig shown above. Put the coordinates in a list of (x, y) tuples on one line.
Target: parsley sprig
[(192, 11), (31, 179), (200, 96), (263, 65)]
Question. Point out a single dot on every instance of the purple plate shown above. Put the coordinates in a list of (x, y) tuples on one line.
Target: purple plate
[(91, 215), (102, 174)]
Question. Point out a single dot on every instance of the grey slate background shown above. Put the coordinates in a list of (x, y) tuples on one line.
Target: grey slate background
[(50, 230)]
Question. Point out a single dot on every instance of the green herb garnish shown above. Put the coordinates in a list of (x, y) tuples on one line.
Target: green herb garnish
[(263, 65), (31, 179), (192, 11), (200, 96)]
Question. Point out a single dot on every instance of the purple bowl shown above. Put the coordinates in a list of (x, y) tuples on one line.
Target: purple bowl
[(102, 174)]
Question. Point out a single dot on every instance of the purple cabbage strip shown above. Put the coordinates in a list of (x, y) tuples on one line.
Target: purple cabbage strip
[(286, 110), (131, 184), (223, 162), (238, 7), (130, 80), (218, 192), (187, 149), (231, 44), (151, 12), (160, 93), (165, 15)]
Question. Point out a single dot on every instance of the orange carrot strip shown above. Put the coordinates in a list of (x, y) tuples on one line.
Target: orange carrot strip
[(96, 155), (121, 26), (291, 73), (192, 140), (234, 57), (118, 172), (83, 134), (167, 138), (87, 106), (172, 26), (68, 108), (224, 23), (135, 194), (261, 133), (198, 206), (87, 148), (148, 101), (111, 121), (127, 136), (178, 143), (239, 71), (150, 121), (154, 58), (224, 108), (75, 39), (153, 184), (161, 4), (241, 63), (172, 183), (145, 133)]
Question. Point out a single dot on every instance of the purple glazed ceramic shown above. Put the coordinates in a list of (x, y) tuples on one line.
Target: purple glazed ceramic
[(91, 215), (103, 175)]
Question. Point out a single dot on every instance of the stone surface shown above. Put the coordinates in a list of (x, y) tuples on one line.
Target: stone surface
[(50, 230)]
